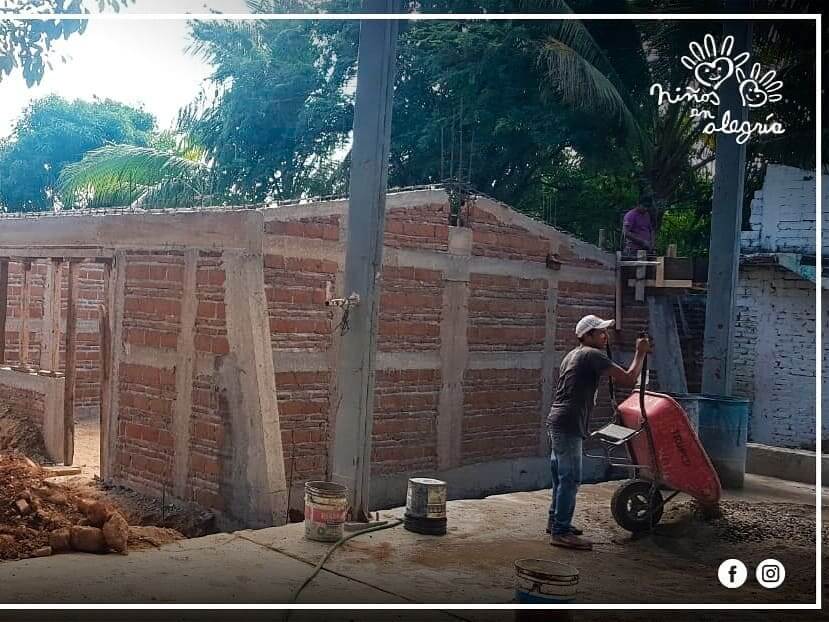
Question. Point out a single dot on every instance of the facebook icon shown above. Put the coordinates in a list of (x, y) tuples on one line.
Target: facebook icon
[(732, 573)]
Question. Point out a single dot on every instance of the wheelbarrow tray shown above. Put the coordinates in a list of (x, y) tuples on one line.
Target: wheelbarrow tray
[(682, 463)]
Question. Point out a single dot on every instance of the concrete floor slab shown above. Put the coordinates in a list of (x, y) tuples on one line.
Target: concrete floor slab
[(214, 569), (473, 563)]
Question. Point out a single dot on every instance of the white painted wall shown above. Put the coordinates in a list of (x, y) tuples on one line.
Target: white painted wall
[(775, 356), (783, 213), (775, 348)]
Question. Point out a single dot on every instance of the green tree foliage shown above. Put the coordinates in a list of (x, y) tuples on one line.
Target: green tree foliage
[(54, 132), (470, 105), (278, 108), (27, 45)]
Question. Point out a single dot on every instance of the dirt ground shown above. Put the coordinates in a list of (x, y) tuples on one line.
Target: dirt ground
[(88, 445)]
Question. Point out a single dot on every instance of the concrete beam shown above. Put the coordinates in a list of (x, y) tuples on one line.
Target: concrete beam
[(241, 229)]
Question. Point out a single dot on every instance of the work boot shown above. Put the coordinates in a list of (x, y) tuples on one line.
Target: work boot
[(570, 541), (574, 530)]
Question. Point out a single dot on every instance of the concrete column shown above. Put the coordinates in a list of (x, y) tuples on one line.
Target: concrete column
[(364, 252), (550, 362), (185, 359), (246, 375), (726, 221), (454, 349)]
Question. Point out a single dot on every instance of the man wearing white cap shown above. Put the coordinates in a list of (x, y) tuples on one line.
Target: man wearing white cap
[(567, 424)]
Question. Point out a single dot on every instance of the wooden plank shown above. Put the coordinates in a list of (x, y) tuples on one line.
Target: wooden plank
[(71, 342), (50, 334), (640, 276), (25, 303), (620, 291), (660, 272), (4, 301), (61, 471), (105, 320)]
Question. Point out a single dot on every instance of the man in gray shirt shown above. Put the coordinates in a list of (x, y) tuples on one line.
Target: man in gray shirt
[(568, 421)]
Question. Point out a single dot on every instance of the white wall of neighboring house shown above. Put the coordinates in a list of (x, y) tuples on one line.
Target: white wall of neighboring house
[(775, 337), (783, 213)]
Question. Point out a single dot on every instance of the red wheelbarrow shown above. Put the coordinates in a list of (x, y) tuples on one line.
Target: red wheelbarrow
[(664, 454)]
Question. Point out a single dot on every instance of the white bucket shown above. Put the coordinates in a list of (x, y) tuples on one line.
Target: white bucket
[(326, 507), (545, 582)]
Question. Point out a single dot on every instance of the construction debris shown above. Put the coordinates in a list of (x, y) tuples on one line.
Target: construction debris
[(39, 517)]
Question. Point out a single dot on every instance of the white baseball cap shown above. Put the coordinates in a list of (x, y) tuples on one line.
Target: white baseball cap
[(591, 322)]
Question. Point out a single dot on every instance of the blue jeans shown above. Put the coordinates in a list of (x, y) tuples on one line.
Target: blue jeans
[(565, 463)]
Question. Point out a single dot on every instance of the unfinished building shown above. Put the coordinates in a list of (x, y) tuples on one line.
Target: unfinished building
[(203, 339)]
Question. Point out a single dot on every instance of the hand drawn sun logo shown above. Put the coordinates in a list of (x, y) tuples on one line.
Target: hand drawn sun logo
[(712, 66)]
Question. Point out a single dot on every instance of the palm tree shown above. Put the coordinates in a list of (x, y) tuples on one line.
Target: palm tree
[(169, 173), (664, 144)]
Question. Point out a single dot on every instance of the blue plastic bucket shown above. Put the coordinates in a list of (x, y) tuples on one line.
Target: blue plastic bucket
[(722, 426), (723, 430)]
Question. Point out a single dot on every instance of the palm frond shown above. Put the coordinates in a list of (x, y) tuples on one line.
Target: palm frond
[(119, 175), (582, 85)]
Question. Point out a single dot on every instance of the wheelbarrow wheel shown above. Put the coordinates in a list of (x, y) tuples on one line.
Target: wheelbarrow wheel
[(637, 506)]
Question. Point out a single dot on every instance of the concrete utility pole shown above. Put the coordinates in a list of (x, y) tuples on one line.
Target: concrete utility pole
[(726, 223), (364, 253)]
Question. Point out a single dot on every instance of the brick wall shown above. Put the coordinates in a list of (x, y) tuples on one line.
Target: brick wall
[(410, 309), (774, 355), (87, 354), (493, 238), (507, 331), (145, 445), (501, 417), (404, 436), (506, 313), (303, 414)]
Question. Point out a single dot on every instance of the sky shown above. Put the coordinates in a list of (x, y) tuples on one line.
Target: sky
[(141, 63)]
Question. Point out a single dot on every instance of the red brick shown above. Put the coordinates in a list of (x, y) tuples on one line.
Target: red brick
[(275, 261), (220, 345)]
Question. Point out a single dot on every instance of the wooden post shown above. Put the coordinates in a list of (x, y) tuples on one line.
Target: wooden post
[(602, 235), (640, 276), (671, 250), (25, 302), (4, 300), (105, 331), (50, 333), (69, 387), (660, 272)]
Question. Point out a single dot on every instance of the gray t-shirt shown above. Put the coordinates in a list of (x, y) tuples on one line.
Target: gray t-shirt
[(578, 379)]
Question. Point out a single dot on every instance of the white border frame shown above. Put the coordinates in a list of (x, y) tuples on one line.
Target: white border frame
[(505, 17)]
